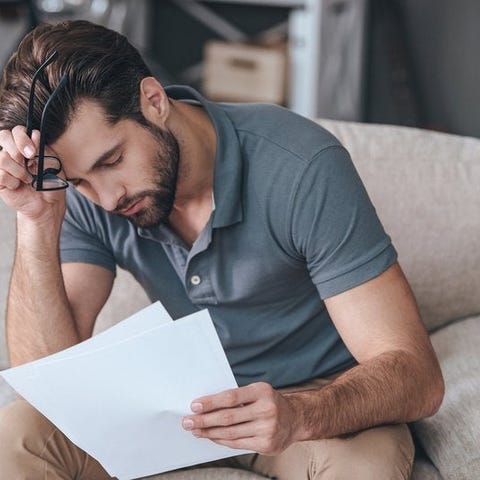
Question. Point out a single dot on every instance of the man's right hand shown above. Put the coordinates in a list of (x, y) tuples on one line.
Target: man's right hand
[(16, 183)]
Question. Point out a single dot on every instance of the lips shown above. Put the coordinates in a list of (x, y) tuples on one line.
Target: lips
[(132, 209)]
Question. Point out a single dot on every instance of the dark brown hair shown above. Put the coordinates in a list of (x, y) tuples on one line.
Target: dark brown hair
[(100, 65)]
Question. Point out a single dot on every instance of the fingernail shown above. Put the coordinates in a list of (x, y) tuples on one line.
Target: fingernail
[(28, 151), (196, 433), (188, 424), (196, 407)]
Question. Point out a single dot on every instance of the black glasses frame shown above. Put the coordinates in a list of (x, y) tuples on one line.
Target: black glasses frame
[(38, 178)]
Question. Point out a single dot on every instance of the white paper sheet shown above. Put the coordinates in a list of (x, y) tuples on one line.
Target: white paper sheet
[(146, 319), (121, 395)]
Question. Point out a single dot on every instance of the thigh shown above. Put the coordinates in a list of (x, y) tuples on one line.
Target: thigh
[(384, 452), (32, 447)]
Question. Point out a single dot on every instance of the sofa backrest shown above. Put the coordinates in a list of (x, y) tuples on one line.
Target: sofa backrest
[(426, 189)]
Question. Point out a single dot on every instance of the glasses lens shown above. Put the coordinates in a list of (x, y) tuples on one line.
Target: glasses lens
[(51, 165), (51, 182), (51, 168)]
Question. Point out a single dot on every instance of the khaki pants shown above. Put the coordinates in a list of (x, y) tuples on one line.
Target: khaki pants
[(32, 448)]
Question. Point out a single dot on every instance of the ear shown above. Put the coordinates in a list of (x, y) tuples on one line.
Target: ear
[(154, 101)]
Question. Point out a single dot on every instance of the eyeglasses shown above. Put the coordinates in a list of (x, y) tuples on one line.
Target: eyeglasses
[(44, 169)]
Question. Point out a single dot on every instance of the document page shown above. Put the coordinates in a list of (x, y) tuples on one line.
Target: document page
[(121, 395)]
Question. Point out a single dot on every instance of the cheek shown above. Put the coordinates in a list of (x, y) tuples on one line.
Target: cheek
[(95, 186), (88, 192), (142, 175)]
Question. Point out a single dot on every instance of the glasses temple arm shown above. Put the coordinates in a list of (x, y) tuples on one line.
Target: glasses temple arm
[(31, 99), (41, 147)]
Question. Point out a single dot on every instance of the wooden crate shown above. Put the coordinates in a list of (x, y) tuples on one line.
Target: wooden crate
[(244, 73)]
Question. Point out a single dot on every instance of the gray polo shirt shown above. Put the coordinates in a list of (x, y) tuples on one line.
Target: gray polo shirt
[(292, 226)]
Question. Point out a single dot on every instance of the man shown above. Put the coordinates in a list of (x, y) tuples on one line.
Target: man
[(248, 210)]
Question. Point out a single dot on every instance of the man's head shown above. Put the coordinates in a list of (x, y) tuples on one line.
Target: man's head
[(105, 75), (100, 64)]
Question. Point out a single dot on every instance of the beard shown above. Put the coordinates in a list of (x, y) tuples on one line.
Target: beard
[(160, 198)]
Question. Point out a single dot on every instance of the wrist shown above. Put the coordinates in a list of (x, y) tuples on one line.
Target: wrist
[(300, 408), (41, 233), (50, 217)]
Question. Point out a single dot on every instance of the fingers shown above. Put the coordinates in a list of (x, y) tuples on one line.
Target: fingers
[(236, 432), (23, 142), (35, 139), (12, 174), (231, 398), (242, 444), (18, 144), (255, 418), (224, 417), (7, 143), (8, 182), (249, 436), (12, 168), (234, 407)]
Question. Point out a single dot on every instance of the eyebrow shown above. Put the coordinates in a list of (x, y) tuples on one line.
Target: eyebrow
[(104, 157), (101, 159)]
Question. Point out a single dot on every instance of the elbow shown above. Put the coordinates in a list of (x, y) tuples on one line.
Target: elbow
[(434, 394), (440, 393)]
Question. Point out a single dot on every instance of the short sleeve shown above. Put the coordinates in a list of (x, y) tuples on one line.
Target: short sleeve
[(334, 225), (80, 240)]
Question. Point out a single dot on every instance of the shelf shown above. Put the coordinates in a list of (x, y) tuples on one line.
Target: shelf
[(268, 3), (325, 45)]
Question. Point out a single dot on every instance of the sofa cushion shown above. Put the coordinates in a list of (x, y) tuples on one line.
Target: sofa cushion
[(7, 240), (6, 393), (208, 474), (425, 188), (451, 437), (424, 470), (127, 297)]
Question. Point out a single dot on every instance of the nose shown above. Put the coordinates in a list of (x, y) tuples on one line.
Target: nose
[(109, 197)]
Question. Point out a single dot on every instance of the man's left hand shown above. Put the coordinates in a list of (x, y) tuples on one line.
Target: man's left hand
[(255, 417)]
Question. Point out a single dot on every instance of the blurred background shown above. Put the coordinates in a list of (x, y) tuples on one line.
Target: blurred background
[(405, 62)]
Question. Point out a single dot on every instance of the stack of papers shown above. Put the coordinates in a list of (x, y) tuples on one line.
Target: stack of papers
[(121, 395)]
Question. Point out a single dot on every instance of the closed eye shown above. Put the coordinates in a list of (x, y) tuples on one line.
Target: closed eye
[(115, 162), (77, 181)]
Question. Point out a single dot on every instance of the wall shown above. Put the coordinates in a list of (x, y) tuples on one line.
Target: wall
[(444, 37), (11, 31), (444, 40)]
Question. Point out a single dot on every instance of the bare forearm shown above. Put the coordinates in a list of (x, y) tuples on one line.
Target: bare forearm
[(39, 318), (391, 388), (398, 379)]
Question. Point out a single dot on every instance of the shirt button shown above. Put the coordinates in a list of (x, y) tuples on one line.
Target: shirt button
[(195, 280)]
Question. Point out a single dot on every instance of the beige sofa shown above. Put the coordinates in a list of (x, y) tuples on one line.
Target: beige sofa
[(426, 189)]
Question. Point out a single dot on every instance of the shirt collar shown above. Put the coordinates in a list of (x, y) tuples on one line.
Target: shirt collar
[(228, 176)]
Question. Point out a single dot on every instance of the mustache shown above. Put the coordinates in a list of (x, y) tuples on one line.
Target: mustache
[(128, 202)]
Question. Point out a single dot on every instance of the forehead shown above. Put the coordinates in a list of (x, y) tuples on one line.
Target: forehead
[(89, 121), (88, 134)]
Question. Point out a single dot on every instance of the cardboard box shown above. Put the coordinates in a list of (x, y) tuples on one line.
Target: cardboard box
[(244, 73)]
